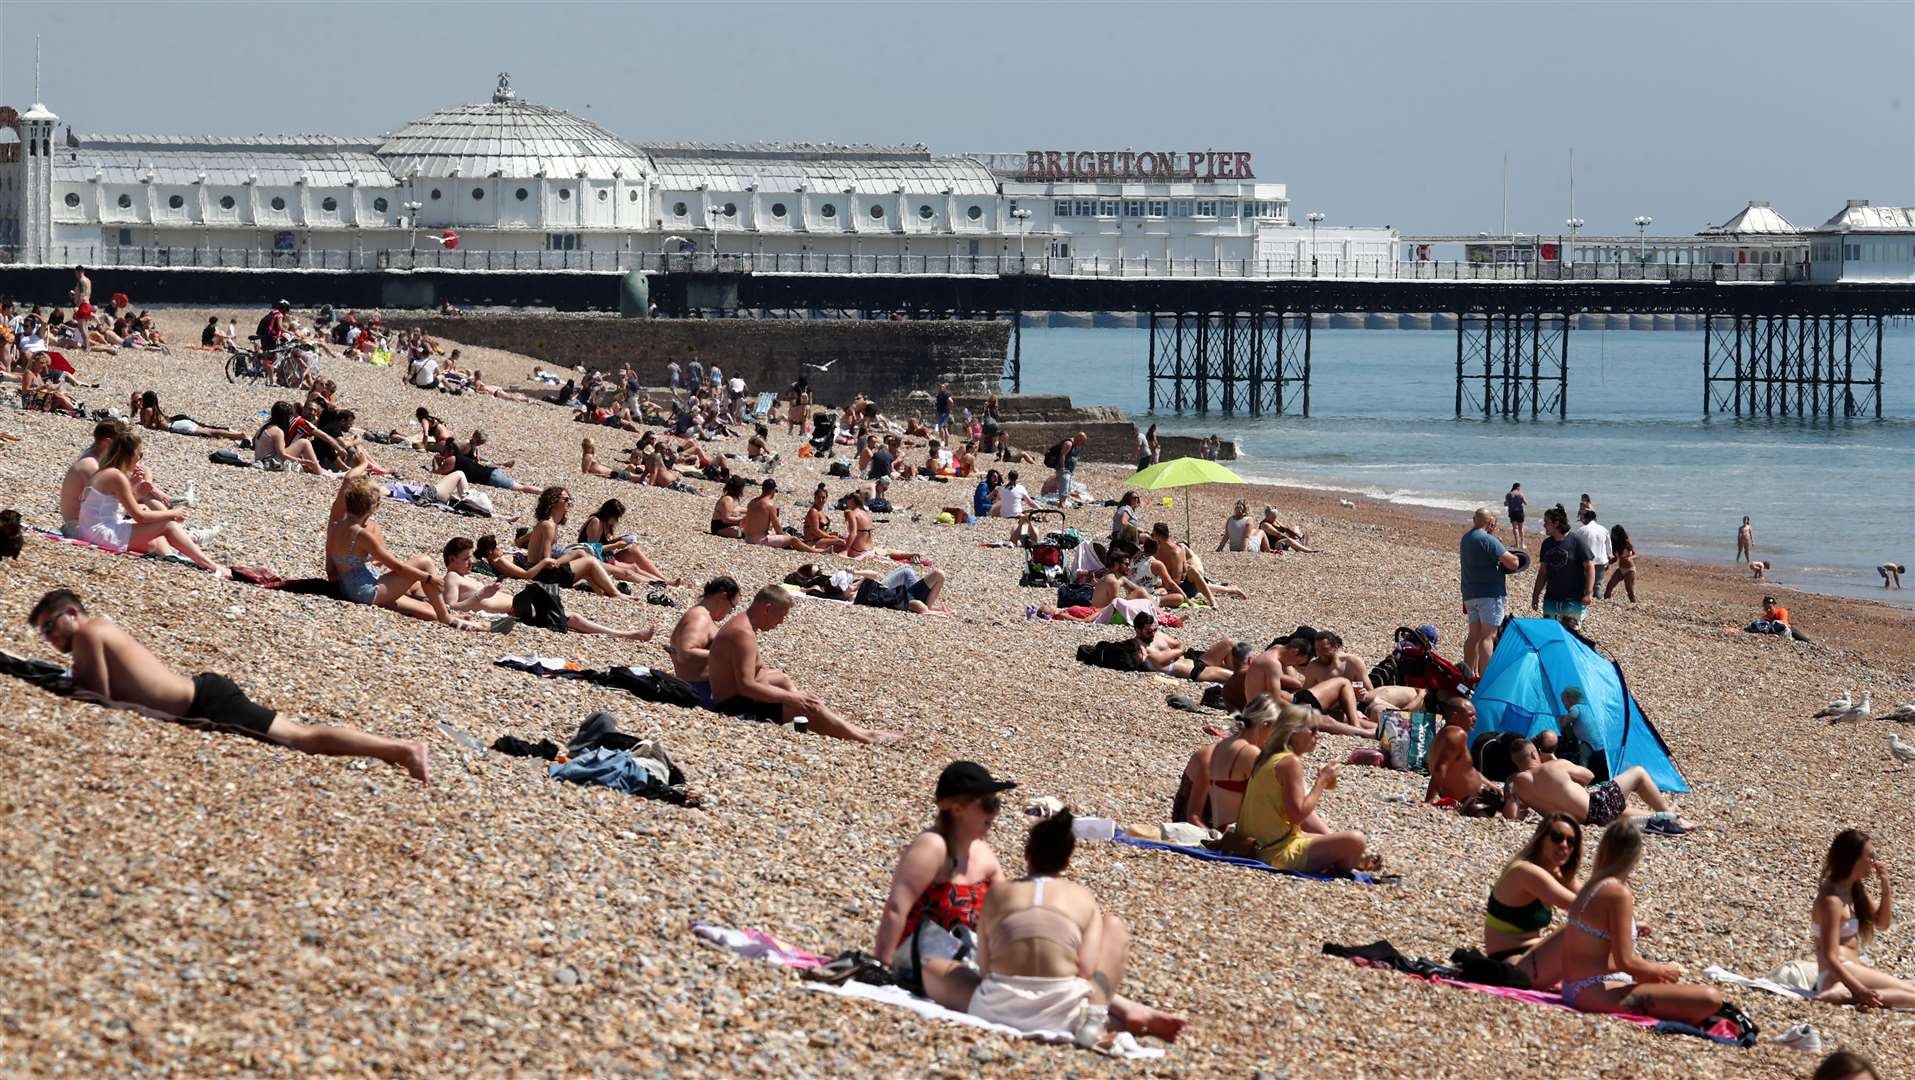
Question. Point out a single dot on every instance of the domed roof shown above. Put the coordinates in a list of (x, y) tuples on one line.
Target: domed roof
[(512, 138)]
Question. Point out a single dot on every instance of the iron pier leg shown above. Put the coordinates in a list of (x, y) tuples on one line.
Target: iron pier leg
[(1708, 332), (1177, 380), (1848, 363), (1017, 352), (1229, 364), (1768, 370), (1203, 364), (1310, 318), (1461, 318), (1152, 364), (1489, 352), (1814, 328), (1283, 320), (1562, 377), (1256, 365), (1878, 366), (1535, 365)]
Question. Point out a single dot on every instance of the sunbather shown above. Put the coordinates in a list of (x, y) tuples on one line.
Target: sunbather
[(1453, 774), (548, 562), (1216, 795), (1183, 566), (761, 526), (274, 444), (1277, 671), (1562, 786), (1105, 591), (109, 664), (1168, 656), (466, 592), (1845, 920), (818, 524), (1278, 821), (354, 543), (1523, 900), (589, 464), (1601, 970), (741, 684), (927, 931), (858, 543), (112, 514), (690, 644), (153, 419), (727, 517)]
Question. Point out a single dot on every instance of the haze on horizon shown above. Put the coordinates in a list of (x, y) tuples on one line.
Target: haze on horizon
[(1373, 113)]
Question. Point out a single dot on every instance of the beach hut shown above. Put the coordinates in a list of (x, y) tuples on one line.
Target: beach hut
[(1522, 692)]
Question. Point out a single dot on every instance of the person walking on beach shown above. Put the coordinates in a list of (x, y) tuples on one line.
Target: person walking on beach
[(1484, 562), (1596, 538), (1624, 551), (1515, 503), (1744, 541), (1566, 575)]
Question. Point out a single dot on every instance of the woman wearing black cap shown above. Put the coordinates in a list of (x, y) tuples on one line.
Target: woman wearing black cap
[(928, 930)]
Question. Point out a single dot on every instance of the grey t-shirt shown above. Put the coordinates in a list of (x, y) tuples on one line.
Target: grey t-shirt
[(1481, 555)]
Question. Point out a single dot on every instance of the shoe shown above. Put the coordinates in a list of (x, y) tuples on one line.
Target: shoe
[(202, 537), (1801, 1037)]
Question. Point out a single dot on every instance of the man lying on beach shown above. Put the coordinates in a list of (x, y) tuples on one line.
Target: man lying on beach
[(1452, 774), (110, 665), (1168, 656), (1557, 787), (153, 419), (464, 591), (741, 685), (1277, 671), (690, 642)]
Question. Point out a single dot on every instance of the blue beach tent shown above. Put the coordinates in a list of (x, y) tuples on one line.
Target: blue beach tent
[(1522, 691)]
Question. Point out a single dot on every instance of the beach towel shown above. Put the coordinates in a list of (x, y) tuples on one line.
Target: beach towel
[(1787, 981), (1123, 1045), (1358, 876), (758, 945)]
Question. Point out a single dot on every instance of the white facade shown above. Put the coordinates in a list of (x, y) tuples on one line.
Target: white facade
[(1864, 243), (510, 177)]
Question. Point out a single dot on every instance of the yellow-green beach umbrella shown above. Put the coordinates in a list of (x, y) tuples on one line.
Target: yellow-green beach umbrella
[(1183, 472)]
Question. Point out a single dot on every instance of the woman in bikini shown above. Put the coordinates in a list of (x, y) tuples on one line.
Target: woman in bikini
[(546, 562), (1232, 762), (354, 543), (1522, 903), (818, 524), (153, 419), (1051, 957), (113, 517), (727, 517), (1601, 970), (927, 933), (1623, 568), (1278, 820), (1846, 920)]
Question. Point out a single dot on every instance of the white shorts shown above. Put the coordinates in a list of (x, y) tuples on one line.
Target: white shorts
[(1034, 1003), (1487, 610), (113, 537), (183, 427)]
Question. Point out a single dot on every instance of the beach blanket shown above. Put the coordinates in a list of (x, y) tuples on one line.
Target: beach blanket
[(758, 945), (659, 687), (1786, 982), (1358, 876)]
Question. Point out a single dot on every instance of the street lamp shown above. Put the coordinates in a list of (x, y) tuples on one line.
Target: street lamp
[(1569, 253), (1643, 221), (1023, 217), (1313, 217), (412, 232), (715, 213)]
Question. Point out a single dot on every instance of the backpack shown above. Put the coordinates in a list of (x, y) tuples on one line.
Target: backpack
[(839, 468), (1075, 595), (265, 329), (540, 605), (1053, 456), (474, 503), (1120, 655), (1406, 739)]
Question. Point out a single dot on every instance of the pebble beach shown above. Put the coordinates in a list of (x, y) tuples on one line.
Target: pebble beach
[(186, 904)]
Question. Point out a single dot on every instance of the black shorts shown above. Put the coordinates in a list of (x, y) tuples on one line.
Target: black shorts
[(920, 591), (220, 702), (751, 709), (1305, 697), (1515, 517), (560, 575)]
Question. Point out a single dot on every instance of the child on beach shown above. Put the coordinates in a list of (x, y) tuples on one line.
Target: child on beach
[(1891, 572)]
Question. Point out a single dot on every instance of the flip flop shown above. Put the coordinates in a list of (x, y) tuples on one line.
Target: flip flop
[(1179, 702)]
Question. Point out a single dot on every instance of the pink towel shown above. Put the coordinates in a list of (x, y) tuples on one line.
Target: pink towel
[(1540, 997)]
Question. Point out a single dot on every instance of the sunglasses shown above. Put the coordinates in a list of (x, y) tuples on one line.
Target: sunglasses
[(1562, 837), (46, 626), (991, 804)]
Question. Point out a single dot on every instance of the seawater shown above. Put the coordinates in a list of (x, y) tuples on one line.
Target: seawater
[(1830, 500)]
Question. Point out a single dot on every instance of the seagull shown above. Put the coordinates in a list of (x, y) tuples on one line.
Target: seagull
[(1839, 705), (1852, 714), (1346, 504), (826, 366), (1901, 714), (1900, 750)]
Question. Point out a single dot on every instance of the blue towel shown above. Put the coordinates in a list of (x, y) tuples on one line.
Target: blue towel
[(1207, 855)]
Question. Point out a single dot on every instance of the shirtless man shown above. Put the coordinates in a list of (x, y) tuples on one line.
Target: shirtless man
[(818, 524), (761, 522), (1182, 567), (1331, 661), (1168, 656), (1558, 786), (742, 686), (1452, 774), (109, 665), (727, 517), (1274, 672), (691, 639), (82, 293), (466, 592)]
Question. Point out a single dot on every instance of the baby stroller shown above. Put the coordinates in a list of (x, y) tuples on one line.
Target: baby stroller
[(824, 427), (1414, 663), (1045, 564)]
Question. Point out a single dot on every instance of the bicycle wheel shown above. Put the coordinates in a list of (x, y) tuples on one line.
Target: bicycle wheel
[(236, 366)]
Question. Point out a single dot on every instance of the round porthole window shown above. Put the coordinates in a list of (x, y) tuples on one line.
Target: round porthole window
[(731, 209), (926, 212), (974, 213), (174, 202), (564, 194), (279, 203), (678, 209), (435, 194), (329, 204), (478, 193), (777, 208), (603, 194), (226, 202), (633, 195), (380, 205), (828, 210), (72, 200), (877, 212), (521, 194), (126, 202)]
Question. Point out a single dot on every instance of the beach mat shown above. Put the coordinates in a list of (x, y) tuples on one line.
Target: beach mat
[(1359, 876)]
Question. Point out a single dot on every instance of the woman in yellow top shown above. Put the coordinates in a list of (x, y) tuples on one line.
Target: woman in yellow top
[(1281, 817)]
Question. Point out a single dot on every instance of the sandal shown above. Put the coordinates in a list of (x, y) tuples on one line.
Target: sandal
[(1369, 862)]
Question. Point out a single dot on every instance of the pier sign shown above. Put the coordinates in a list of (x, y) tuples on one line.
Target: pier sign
[(1136, 165)]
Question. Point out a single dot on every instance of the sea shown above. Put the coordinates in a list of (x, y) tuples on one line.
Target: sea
[(1829, 500)]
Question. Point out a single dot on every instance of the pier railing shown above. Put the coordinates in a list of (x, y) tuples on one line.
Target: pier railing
[(852, 265)]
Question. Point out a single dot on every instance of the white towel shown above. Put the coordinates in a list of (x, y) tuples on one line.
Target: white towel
[(1123, 1046), (1724, 975)]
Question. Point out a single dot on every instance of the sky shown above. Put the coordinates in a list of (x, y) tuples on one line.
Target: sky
[(1372, 113)]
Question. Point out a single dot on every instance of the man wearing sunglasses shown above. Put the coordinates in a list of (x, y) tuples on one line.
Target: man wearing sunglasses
[(108, 665), (1452, 774)]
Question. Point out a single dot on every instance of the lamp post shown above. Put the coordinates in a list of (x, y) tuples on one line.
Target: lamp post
[(1313, 217), (715, 213), (1643, 221), (412, 231), (1569, 256), (1023, 218)]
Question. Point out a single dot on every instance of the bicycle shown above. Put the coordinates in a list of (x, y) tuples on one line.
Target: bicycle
[(254, 364)]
